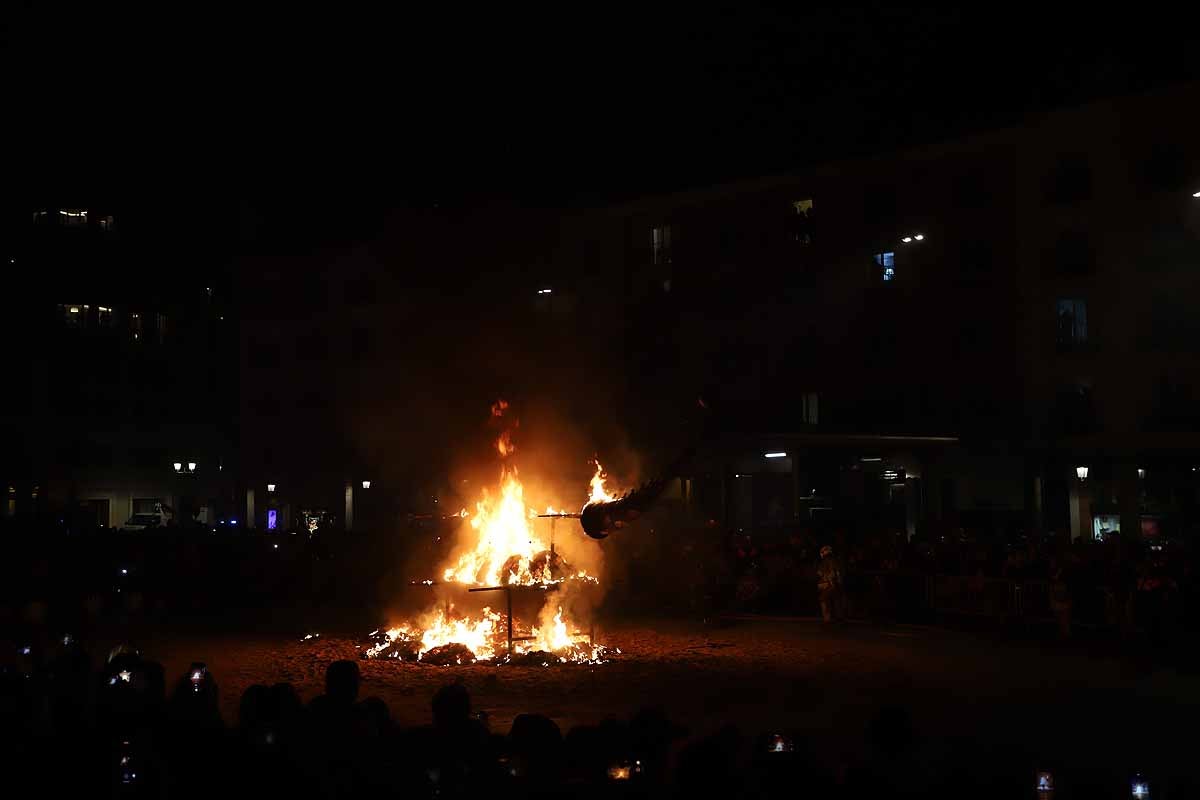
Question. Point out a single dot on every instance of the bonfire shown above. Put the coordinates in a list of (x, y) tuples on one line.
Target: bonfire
[(503, 547)]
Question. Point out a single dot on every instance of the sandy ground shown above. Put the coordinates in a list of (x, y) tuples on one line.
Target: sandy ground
[(1033, 702)]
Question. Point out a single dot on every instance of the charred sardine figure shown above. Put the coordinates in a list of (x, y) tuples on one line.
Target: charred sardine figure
[(601, 519)]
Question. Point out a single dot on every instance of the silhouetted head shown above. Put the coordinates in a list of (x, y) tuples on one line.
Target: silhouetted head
[(254, 708), (341, 681), (451, 705), (377, 714)]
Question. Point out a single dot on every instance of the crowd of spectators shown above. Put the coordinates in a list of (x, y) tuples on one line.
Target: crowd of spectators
[(126, 730), (1121, 584)]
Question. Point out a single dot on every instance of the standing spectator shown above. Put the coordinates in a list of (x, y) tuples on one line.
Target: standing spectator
[(831, 586)]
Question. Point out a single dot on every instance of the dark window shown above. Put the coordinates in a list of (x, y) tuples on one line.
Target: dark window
[(267, 404), (976, 258), (1174, 406), (879, 206), (971, 192), (1073, 411), (312, 346), (1171, 247), (362, 343), (1172, 325), (360, 290), (264, 355), (314, 399), (1165, 168), (1071, 254), (312, 295), (1069, 182), (1071, 321)]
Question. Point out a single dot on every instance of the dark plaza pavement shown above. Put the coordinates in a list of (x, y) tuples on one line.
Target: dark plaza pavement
[(974, 695)]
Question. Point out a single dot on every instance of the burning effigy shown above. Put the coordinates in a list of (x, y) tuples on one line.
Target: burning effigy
[(506, 548)]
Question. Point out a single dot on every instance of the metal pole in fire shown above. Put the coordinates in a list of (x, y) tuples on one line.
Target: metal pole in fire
[(508, 602)]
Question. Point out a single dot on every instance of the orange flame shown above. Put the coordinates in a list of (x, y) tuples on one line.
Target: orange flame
[(599, 492), (505, 543), (504, 548)]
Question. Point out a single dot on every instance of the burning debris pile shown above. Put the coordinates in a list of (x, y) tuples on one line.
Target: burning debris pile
[(502, 551)]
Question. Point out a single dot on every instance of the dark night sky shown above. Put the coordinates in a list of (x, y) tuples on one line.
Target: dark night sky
[(349, 113)]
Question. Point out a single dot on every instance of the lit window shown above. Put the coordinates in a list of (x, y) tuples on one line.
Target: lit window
[(135, 326), (40, 217), (809, 408), (660, 242), (106, 222), (104, 316), (160, 328), (887, 265), (802, 221), (75, 316), (73, 217), (1072, 322)]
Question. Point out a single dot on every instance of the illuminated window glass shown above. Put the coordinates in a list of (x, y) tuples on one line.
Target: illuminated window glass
[(74, 315), (73, 217), (802, 221), (887, 265), (660, 243), (1072, 322)]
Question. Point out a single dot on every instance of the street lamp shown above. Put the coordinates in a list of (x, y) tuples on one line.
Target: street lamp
[(366, 484), (270, 487), (1141, 473), (178, 466), (1081, 472), (191, 466)]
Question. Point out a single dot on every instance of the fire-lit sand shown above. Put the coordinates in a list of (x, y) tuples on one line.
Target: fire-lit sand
[(763, 676)]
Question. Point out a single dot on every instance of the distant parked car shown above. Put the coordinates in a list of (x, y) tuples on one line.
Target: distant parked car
[(142, 522)]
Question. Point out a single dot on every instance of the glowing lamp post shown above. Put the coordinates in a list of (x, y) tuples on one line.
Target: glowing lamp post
[(1081, 473), (366, 484)]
